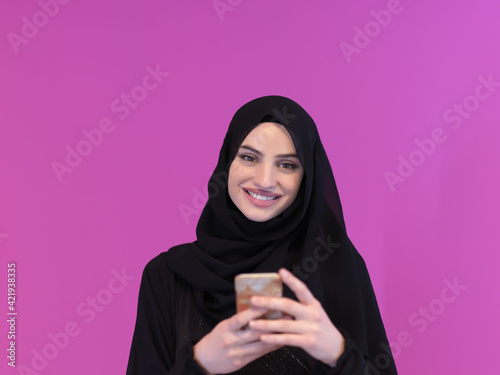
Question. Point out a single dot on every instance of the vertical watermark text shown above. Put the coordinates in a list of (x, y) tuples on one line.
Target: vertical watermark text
[(87, 311)]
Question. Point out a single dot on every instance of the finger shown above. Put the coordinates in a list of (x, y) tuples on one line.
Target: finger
[(300, 289), (286, 339), (285, 305), (280, 325), (253, 348), (241, 319), (242, 355), (239, 337), (247, 335)]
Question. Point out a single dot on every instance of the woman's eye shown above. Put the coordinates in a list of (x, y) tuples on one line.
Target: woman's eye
[(248, 158), (288, 165)]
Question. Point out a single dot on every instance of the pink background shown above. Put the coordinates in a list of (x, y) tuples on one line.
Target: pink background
[(436, 223)]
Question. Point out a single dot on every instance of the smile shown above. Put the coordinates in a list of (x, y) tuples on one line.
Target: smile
[(261, 197)]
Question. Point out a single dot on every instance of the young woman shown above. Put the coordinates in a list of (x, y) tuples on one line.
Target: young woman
[(273, 205)]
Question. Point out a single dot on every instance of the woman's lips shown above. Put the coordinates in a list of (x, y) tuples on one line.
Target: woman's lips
[(261, 198)]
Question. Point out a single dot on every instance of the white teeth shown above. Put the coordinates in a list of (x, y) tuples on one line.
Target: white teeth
[(261, 197)]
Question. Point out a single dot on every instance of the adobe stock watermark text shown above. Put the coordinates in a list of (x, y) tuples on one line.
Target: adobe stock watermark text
[(121, 107), (454, 117)]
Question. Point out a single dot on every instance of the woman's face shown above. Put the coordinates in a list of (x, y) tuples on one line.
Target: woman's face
[(265, 176)]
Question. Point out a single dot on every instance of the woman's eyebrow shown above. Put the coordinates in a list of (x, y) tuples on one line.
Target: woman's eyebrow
[(291, 155)]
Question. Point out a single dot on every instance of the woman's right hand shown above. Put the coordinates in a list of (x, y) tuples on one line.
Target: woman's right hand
[(228, 347)]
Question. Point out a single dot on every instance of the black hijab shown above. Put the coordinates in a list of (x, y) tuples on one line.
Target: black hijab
[(309, 237)]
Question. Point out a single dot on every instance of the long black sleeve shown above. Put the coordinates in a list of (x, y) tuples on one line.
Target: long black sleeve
[(169, 325), (153, 350)]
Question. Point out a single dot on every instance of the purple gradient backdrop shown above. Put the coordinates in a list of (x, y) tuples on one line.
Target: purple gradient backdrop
[(121, 205)]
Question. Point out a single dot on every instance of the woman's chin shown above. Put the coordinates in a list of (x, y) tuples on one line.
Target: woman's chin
[(259, 215)]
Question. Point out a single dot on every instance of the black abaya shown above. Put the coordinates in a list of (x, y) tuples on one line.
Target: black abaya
[(186, 291)]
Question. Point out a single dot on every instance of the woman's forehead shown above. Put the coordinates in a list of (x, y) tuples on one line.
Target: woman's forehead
[(270, 135)]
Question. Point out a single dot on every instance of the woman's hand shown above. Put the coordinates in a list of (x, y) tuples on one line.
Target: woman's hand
[(310, 329), (228, 347)]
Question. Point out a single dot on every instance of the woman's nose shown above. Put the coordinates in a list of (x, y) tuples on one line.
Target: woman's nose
[(264, 177)]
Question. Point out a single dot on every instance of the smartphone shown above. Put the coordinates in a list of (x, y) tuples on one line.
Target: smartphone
[(260, 284)]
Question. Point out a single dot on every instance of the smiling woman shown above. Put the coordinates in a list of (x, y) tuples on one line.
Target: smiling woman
[(265, 177), (279, 203)]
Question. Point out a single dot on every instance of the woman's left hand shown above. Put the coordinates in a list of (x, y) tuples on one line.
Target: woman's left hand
[(310, 329)]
